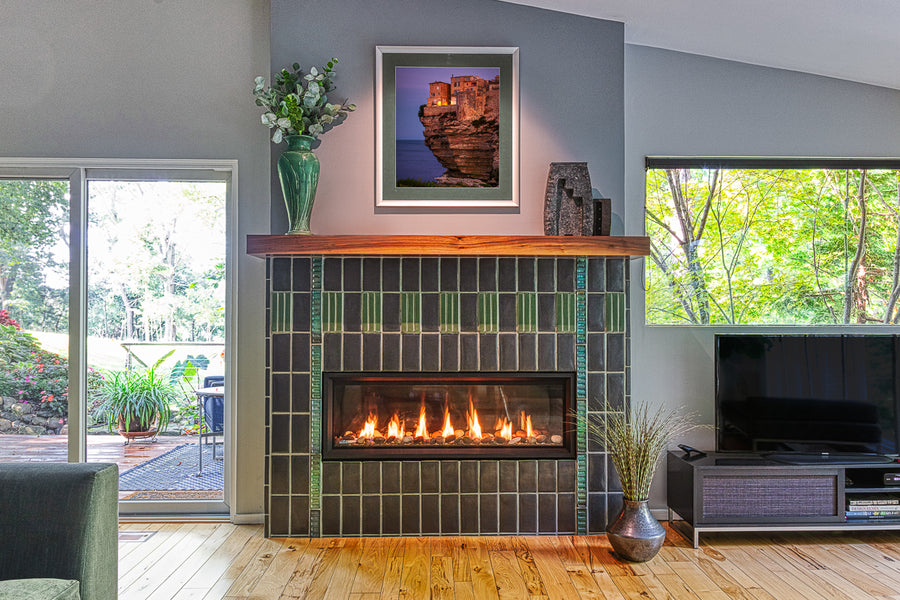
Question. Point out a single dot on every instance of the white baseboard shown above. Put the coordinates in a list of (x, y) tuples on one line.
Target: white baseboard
[(248, 518)]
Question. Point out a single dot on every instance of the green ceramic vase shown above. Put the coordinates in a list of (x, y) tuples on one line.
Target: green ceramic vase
[(298, 171)]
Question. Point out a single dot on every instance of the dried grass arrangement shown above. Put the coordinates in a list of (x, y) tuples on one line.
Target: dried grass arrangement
[(636, 442)]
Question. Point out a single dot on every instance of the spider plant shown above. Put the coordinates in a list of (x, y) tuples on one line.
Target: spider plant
[(636, 442), (136, 399)]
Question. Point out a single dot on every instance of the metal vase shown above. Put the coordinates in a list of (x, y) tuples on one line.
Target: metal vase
[(298, 170), (635, 535)]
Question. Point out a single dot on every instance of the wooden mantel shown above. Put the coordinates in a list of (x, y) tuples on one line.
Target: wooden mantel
[(448, 245)]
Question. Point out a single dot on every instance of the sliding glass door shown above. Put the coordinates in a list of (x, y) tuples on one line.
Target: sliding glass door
[(123, 318)]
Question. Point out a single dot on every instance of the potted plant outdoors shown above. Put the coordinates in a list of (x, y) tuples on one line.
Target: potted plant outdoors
[(636, 443), (138, 401), (297, 109)]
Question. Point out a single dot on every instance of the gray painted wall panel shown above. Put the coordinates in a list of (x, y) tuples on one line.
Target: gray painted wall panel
[(682, 105), (571, 73), (137, 79)]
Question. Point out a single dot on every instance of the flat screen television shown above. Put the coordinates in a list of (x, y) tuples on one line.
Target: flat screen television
[(808, 397)]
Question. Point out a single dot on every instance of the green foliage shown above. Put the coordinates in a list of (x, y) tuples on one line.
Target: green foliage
[(16, 345), (138, 397), (772, 246), (297, 103), (33, 219)]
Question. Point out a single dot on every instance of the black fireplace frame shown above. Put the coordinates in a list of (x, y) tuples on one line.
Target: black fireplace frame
[(417, 453)]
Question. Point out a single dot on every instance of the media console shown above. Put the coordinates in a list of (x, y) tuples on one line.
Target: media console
[(748, 492)]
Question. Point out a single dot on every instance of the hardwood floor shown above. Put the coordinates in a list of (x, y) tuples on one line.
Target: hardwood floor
[(218, 560)]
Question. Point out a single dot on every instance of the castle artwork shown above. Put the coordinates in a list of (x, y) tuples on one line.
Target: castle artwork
[(448, 127)]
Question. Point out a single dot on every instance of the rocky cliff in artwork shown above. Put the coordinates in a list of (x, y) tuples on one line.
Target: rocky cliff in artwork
[(463, 131)]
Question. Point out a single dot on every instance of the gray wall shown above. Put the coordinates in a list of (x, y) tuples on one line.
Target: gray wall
[(571, 71), (682, 105), (139, 79)]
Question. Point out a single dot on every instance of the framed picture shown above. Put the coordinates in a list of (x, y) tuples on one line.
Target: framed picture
[(447, 122)]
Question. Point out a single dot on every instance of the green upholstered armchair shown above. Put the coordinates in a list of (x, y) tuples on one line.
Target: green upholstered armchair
[(58, 523)]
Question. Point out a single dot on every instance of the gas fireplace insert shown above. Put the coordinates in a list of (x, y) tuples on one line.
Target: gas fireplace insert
[(447, 415)]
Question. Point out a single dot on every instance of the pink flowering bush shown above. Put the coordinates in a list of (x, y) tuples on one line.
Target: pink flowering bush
[(32, 375)]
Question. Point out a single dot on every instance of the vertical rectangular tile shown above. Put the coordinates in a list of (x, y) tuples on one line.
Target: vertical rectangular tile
[(282, 311), (411, 312), (371, 312), (526, 312), (352, 274), (449, 312), (488, 313), (371, 274), (565, 312), (332, 312), (615, 313), (301, 272)]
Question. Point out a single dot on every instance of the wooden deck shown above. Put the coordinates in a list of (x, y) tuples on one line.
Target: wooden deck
[(100, 448), (211, 561)]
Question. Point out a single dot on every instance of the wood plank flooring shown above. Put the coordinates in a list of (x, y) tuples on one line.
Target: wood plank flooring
[(213, 561)]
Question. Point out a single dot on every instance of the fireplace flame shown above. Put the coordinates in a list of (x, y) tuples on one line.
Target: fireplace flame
[(368, 430), (525, 424), (422, 430), (474, 425), (506, 430), (448, 430), (395, 428)]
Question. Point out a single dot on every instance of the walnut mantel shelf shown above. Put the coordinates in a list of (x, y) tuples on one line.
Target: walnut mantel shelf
[(444, 245)]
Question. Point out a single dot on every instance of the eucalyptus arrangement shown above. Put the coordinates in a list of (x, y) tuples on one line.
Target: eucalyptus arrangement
[(297, 102)]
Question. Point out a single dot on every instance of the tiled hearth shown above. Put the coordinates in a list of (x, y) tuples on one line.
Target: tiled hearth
[(439, 314)]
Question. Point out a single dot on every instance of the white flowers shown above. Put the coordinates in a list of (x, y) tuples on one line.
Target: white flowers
[(298, 104)]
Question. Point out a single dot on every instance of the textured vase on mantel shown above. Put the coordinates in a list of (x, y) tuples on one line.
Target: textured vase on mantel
[(635, 535), (298, 171)]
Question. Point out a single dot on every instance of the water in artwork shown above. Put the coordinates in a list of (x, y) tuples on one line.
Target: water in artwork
[(416, 161)]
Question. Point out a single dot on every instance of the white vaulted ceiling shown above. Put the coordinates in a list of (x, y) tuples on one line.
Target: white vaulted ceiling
[(857, 40)]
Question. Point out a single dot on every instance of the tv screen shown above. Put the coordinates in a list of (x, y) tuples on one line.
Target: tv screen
[(812, 394)]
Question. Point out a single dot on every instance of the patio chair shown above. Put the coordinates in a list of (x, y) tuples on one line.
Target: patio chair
[(212, 414)]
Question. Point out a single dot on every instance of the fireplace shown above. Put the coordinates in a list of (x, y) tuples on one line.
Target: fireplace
[(413, 416), (426, 325)]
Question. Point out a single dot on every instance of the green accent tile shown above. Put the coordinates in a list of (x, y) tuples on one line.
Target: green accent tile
[(526, 312), (316, 272), (565, 312), (580, 300), (371, 317), (580, 318), (315, 481), (449, 312), (488, 312), (615, 312), (282, 312), (581, 371), (315, 523), (315, 436), (315, 316), (411, 312), (332, 312), (581, 274)]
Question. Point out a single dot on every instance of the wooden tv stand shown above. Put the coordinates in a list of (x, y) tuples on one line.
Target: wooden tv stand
[(747, 492)]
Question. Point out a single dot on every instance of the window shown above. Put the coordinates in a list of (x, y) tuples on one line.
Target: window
[(756, 241)]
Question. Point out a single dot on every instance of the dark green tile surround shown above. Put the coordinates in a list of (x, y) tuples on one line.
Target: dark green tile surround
[(327, 313)]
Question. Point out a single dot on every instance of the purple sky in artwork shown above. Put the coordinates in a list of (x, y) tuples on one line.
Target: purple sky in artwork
[(412, 92)]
